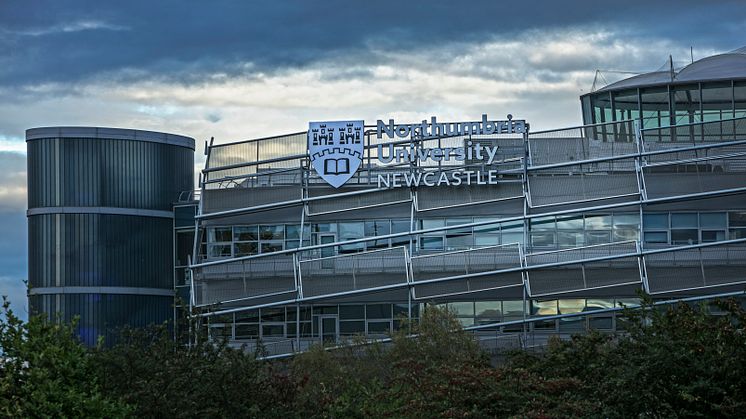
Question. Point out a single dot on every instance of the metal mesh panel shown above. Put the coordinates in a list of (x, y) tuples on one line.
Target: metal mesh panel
[(267, 348), (557, 279), (581, 253), (467, 285), (719, 137), (214, 200), (230, 154), (284, 150), (469, 262), (584, 274), (688, 177), (226, 178), (674, 270), (582, 143), (353, 272), (695, 134), (723, 149), (446, 196), (249, 278), (257, 150), (583, 182), (612, 272), (499, 344), (345, 203), (694, 268), (445, 265), (724, 264)]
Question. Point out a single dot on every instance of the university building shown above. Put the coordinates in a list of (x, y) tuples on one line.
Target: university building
[(352, 226)]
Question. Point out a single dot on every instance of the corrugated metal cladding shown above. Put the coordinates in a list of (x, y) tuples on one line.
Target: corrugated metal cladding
[(104, 314), (107, 173), (100, 250), (87, 189)]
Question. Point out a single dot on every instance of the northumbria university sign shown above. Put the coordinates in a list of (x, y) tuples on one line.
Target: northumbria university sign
[(336, 150)]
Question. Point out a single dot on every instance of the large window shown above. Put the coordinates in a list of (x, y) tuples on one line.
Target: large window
[(685, 102), (687, 227), (737, 224), (219, 242), (656, 228), (684, 228), (375, 228), (460, 238), (434, 240), (626, 106), (545, 233), (351, 231), (655, 108), (487, 235), (739, 99), (717, 101)]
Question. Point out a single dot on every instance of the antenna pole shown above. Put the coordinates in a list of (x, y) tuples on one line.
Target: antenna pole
[(670, 65)]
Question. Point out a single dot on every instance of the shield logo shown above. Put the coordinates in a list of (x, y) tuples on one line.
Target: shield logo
[(336, 149)]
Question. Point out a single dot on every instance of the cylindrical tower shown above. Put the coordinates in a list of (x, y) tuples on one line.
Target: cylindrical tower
[(100, 224)]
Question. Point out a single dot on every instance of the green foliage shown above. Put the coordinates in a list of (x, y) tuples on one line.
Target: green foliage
[(677, 361), (440, 372), (46, 372), (381, 380), (165, 378)]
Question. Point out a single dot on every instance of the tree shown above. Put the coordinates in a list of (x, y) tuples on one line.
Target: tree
[(674, 361), (46, 372), (163, 377)]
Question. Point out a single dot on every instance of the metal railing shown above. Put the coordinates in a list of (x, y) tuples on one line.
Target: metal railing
[(578, 269), (716, 161), (493, 341)]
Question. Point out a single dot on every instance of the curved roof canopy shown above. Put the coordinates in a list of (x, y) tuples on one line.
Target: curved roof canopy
[(731, 65)]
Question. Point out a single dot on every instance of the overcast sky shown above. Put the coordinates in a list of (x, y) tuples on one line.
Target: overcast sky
[(237, 70)]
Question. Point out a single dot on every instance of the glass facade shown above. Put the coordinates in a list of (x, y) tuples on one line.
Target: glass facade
[(672, 104), (380, 318), (344, 320), (545, 233)]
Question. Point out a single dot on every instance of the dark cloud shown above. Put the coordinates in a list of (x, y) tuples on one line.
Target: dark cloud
[(213, 117), (48, 41)]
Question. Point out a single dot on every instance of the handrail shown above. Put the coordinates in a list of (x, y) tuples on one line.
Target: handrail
[(237, 165), (530, 320), (676, 198), (253, 140), (545, 252), (740, 118), (579, 127), (429, 255), (637, 253)]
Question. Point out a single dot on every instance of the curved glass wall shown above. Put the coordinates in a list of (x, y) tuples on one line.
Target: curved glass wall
[(672, 104)]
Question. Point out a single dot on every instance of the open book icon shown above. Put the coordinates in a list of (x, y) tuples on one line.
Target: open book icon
[(337, 166)]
